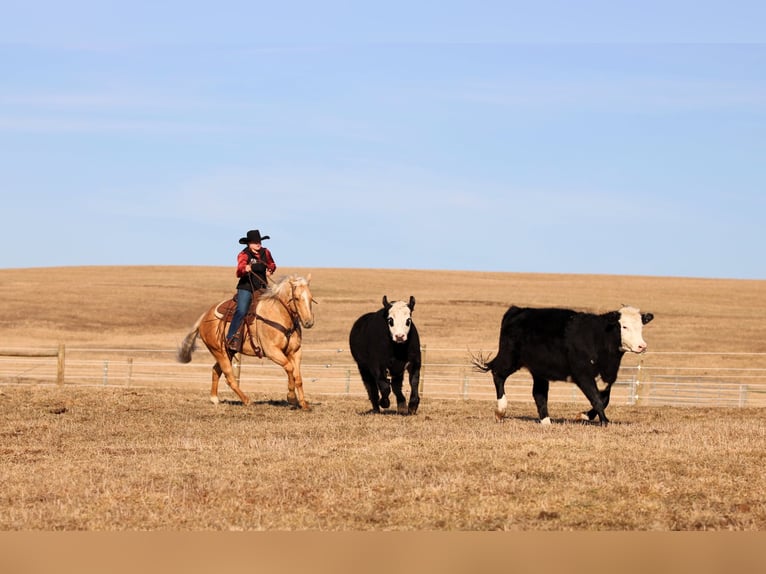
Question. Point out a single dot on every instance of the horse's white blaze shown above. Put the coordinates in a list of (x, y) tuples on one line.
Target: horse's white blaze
[(631, 328), (399, 321), (600, 384), (546, 421)]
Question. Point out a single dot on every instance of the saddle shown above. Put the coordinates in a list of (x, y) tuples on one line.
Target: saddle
[(225, 312)]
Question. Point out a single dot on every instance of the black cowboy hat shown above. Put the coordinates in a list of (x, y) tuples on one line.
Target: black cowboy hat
[(253, 236)]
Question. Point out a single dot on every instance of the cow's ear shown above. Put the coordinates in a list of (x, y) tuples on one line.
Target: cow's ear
[(646, 317), (386, 304), (412, 303)]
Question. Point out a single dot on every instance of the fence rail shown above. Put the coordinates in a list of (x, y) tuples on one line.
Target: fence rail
[(681, 379)]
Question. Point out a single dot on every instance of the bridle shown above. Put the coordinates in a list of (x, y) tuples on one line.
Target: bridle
[(292, 313)]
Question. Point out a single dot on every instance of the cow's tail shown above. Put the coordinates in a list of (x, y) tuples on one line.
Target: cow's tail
[(481, 363), (184, 354)]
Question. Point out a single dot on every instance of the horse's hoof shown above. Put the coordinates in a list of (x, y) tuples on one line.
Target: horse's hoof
[(214, 399), (305, 406), (402, 409)]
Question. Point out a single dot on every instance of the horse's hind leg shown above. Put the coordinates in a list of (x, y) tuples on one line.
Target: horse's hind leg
[(214, 387), (224, 366)]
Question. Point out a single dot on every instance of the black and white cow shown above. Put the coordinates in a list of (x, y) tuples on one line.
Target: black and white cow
[(561, 344), (386, 343)]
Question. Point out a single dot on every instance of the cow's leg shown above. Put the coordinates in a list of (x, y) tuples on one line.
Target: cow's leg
[(503, 366), (384, 386), (540, 394), (414, 371), (502, 402), (588, 387), (591, 414), (371, 385), (397, 380)]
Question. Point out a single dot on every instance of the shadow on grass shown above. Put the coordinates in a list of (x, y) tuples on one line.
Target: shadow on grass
[(563, 421), (269, 402)]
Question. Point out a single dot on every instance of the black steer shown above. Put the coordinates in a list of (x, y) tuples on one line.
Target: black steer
[(561, 344), (386, 343)]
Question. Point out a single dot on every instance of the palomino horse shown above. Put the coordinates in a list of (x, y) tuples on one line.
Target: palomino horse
[(280, 312)]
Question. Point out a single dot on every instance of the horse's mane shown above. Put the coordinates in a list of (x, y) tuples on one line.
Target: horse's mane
[(275, 289)]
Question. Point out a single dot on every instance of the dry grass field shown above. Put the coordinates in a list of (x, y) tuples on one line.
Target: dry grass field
[(88, 458)]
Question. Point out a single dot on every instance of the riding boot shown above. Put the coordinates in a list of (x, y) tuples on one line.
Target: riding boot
[(234, 343)]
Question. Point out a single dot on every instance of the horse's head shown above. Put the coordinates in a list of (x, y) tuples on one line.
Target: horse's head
[(301, 300)]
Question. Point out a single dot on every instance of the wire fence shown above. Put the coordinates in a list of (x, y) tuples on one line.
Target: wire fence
[(677, 378)]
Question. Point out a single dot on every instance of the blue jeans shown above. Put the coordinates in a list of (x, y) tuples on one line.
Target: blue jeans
[(244, 298)]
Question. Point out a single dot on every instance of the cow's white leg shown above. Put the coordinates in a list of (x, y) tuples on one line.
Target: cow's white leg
[(546, 421), (502, 406)]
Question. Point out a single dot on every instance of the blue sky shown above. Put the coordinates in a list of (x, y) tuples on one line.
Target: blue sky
[(574, 137)]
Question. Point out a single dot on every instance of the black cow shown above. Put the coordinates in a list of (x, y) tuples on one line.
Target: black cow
[(383, 344), (561, 344)]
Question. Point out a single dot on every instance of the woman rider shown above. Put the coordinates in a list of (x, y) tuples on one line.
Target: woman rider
[(254, 265)]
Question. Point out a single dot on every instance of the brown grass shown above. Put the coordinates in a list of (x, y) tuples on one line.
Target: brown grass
[(76, 458), (106, 459)]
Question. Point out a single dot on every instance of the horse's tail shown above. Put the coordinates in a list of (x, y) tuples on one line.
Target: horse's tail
[(184, 354), (481, 363)]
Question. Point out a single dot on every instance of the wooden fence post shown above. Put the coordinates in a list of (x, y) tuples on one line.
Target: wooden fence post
[(644, 389), (130, 370), (237, 368), (60, 365), (422, 368)]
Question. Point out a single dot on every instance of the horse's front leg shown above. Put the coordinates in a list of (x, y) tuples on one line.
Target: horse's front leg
[(295, 380), (291, 365)]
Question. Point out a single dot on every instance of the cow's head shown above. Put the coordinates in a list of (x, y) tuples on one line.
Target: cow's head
[(631, 322), (399, 318)]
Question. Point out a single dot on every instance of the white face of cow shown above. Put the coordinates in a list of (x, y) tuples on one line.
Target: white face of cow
[(399, 321), (632, 322)]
